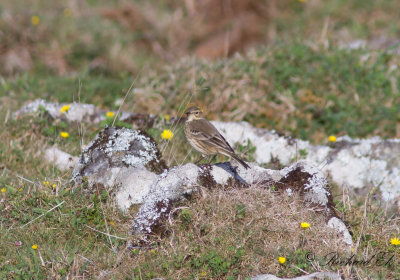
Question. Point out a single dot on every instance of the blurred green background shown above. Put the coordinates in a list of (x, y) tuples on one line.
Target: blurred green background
[(315, 67)]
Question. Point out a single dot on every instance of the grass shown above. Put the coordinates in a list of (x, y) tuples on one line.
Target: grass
[(302, 84), (235, 234), (305, 92), (200, 244)]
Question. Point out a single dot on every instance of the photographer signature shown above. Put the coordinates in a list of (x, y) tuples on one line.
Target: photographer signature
[(333, 258)]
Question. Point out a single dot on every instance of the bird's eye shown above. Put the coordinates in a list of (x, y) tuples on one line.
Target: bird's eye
[(197, 113)]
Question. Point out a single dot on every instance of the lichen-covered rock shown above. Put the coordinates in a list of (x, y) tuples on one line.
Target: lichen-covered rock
[(77, 112), (309, 181), (173, 184), (341, 228), (126, 163), (60, 159), (169, 187), (353, 163), (312, 276), (123, 161), (367, 163)]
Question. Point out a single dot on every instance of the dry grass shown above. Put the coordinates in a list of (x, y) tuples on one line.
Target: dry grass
[(308, 90), (217, 234), (237, 233), (246, 230)]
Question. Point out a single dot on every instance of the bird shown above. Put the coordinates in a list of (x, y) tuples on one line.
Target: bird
[(205, 138)]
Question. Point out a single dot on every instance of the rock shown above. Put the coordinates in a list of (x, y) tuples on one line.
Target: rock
[(341, 228), (309, 181), (129, 192), (313, 276), (79, 112), (121, 160), (128, 165), (172, 185), (353, 163), (60, 159)]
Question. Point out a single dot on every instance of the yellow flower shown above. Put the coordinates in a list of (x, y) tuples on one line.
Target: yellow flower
[(153, 251), (282, 260), (110, 114), (305, 225), (65, 108), (67, 12), (112, 223), (34, 246), (332, 138), (35, 20), (64, 134), (3, 190), (20, 189), (67, 189), (167, 117), (395, 241), (167, 134), (203, 273), (54, 186), (372, 190)]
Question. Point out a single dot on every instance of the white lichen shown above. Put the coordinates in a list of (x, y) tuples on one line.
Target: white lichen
[(341, 228), (354, 163), (62, 160)]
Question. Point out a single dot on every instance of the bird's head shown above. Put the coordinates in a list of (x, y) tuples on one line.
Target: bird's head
[(194, 113)]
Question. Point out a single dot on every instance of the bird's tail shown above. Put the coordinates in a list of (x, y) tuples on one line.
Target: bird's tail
[(238, 159)]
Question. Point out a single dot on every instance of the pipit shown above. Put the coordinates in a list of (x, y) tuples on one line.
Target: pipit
[(205, 138)]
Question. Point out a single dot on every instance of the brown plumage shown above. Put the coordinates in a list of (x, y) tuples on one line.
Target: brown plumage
[(205, 138)]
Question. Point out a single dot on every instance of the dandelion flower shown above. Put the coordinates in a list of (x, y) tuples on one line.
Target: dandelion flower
[(20, 189), (110, 114), (372, 190), (34, 246), (305, 225), (65, 108), (153, 251), (282, 260), (35, 20), (167, 134), (54, 186), (167, 117), (332, 138), (64, 134), (395, 241), (3, 190)]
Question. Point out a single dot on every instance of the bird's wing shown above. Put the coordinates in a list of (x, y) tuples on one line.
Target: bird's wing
[(203, 130)]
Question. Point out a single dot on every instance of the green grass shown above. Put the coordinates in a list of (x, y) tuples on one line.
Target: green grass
[(301, 84), (308, 93)]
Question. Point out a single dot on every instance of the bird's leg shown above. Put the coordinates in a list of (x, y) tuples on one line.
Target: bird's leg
[(212, 158), (199, 160)]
